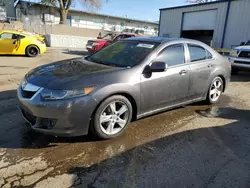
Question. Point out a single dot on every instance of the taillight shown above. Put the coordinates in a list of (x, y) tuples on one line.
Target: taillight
[(41, 41)]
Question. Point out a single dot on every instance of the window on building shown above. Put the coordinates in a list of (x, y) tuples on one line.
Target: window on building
[(172, 55), (76, 18)]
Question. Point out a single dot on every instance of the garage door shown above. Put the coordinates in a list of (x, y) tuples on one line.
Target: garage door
[(200, 20)]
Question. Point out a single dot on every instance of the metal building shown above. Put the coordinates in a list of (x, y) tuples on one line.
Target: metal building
[(221, 24), (7, 9)]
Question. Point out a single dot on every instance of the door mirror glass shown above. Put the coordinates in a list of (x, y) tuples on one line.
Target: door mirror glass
[(158, 66)]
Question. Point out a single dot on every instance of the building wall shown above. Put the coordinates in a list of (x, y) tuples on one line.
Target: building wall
[(238, 27), (37, 15), (8, 6), (171, 20)]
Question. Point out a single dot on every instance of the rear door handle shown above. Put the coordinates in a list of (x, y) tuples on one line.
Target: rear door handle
[(183, 72)]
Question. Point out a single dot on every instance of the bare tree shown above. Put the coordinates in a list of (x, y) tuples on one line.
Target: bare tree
[(63, 6)]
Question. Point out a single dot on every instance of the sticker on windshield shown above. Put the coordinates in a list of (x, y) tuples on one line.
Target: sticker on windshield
[(145, 45)]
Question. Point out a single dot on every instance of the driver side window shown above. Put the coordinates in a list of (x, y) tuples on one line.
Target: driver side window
[(172, 55), (6, 36)]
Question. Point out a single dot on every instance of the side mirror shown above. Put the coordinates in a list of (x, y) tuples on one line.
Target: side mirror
[(158, 66), (242, 43), (14, 42)]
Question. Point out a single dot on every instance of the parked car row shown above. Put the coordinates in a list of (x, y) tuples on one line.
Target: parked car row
[(101, 42), (21, 43)]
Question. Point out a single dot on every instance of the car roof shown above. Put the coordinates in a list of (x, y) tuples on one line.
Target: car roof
[(161, 39), (20, 32), (152, 39)]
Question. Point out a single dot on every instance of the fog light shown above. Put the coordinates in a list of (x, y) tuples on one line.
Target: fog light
[(48, 123)]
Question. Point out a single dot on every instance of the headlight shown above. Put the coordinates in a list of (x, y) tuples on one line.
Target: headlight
[(48, 94), (234, 53)]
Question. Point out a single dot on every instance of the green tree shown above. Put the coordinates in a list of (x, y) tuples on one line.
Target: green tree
[(63, 6)]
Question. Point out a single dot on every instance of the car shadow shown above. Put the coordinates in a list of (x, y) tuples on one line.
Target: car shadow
[(13, 55), (242, 76), (13, 126), (76, 52), (216, 156)]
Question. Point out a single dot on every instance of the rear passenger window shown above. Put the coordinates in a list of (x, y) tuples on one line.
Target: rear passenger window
[(173, 55), (197, 53)]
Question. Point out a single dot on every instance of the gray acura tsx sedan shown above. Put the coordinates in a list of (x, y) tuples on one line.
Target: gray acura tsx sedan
[(127, 80)]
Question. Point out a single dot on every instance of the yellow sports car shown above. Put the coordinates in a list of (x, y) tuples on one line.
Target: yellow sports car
[(21, 43)]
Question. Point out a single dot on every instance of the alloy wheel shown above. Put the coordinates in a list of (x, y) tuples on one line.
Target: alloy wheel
[(216, 90), (33, 51), (114, 117)]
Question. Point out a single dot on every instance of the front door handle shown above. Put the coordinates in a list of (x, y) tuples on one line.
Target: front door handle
[(183, 72)]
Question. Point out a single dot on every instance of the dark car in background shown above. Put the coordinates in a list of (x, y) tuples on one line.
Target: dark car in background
[(97, 44), (127, 80)]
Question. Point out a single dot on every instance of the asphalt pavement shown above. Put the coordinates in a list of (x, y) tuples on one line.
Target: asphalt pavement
[(194, 146)]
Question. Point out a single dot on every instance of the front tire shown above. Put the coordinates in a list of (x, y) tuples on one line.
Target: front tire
[(215, 90), (112, 117), (32, 51)]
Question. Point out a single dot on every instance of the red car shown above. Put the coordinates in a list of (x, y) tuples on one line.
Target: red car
[(97, 44)]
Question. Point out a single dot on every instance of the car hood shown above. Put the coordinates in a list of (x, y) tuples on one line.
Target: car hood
[(69, 74)]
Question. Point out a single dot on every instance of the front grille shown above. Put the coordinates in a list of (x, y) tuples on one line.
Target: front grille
[(27, 94), (30, 118), (244, 54), (242, 62)]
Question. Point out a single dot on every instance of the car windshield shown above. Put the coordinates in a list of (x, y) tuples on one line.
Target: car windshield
[(123, 53), (108, 37)]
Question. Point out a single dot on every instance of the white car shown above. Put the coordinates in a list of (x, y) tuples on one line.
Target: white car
[(240, 58)]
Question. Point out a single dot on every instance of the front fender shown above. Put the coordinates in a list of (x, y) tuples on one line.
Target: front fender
[(119, 88)]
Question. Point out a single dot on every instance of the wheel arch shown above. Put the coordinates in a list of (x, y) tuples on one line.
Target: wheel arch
[(224, 81), (124, 94), (39, 50)]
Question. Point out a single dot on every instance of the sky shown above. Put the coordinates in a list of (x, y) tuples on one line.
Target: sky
[(135, 9), (138, 9)]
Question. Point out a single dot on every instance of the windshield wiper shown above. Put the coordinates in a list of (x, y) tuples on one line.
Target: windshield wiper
[(102, 62)]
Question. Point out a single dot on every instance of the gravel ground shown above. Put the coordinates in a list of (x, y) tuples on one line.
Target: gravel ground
[(195, 146)]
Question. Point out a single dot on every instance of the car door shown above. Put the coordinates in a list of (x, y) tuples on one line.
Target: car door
[(201, 65), (7, 44), (162, 89)]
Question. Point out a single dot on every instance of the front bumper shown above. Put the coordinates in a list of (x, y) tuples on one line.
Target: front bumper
[(240, 63), (69, 117)]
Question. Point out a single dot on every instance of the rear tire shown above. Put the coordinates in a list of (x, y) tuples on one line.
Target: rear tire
[(111, 117), (32, 51), (215, 90)]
